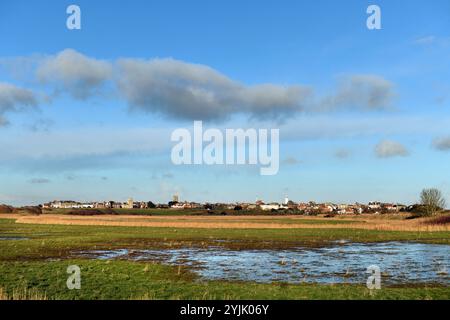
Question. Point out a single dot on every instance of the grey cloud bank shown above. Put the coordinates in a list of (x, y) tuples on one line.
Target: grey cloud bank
[(187, 91), (191, 91)]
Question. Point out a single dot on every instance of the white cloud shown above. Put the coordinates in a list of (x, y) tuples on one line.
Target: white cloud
[(13, 98), (191, 91), (183, 90), (75, 73), (442, 144), (388, 149)]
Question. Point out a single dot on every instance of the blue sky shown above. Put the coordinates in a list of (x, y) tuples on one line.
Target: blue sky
[(87, 114)]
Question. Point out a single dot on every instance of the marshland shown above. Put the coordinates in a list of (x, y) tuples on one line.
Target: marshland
[(223, 257)]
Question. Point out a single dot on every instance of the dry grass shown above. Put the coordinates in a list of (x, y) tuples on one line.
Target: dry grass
[(439, 220), (22, 294), (367, 222)]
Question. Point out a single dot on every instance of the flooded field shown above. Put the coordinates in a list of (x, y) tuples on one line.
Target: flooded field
[(342, 262)]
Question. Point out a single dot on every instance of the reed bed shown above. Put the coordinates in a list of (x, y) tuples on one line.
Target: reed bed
[(22, 294), (366, 222)]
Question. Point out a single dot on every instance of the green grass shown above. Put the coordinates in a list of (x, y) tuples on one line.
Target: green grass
[(27, 263), (134, 280), (47, 241), (297, 221)]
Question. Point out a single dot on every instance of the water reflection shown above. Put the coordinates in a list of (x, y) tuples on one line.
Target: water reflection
[(400, 262)]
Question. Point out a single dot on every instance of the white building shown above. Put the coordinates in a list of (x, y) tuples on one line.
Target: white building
[(271, 206), (129, 204)]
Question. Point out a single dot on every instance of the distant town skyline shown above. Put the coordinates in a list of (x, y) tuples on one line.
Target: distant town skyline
[(363, 115), (287, 205), (175, 199)]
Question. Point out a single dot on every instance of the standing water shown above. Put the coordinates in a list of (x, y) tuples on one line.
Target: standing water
[(399, 262)]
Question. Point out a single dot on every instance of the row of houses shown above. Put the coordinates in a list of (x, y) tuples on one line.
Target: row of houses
[(66, 204), (69, 204), (186, 205), (315, 208), (307, 207), (356, 208)]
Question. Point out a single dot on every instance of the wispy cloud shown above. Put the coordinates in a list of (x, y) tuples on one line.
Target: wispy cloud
[(425, 40), (168, 175), (432, 40), (39, 181), (342, 153), (41, 125), (291, 161), (325, 126), (81, 149), (363, 92)]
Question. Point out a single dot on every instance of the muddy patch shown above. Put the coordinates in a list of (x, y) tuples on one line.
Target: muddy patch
[(342, 262)]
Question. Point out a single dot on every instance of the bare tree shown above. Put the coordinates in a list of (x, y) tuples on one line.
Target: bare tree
[(432, 201)]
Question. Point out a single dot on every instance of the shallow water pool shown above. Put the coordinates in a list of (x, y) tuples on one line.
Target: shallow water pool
[(342, 262)]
